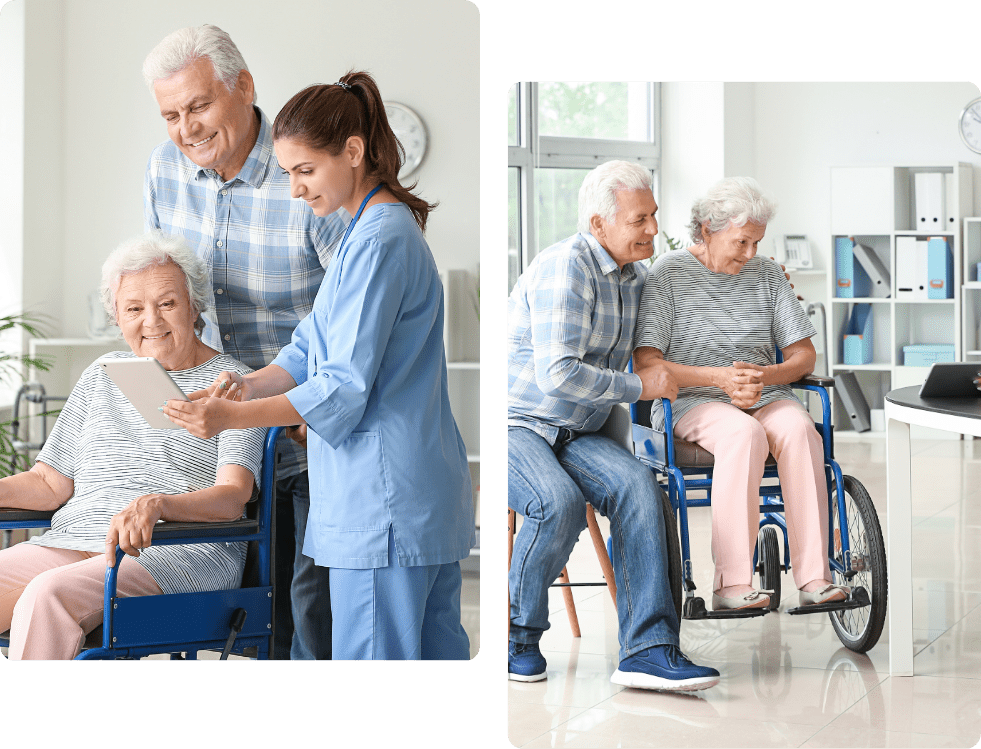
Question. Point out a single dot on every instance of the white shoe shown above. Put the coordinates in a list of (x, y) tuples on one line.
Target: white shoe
[(827, 594), (757, 599)]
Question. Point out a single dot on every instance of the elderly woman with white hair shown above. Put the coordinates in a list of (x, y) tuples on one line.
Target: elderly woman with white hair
[(110, 476), (715, 315)]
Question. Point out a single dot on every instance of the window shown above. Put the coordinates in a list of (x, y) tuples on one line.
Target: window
[(557, 133)]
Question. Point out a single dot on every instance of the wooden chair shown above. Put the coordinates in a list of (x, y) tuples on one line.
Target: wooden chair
[(563, 580), (617, 427)]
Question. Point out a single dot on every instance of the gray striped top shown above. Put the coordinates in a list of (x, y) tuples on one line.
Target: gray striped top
[(704, 319), (103, 444)]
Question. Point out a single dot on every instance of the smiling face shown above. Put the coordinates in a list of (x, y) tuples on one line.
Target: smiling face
[(214, 127), (155, 315), (630, 236), (325, 182), (729, 250)]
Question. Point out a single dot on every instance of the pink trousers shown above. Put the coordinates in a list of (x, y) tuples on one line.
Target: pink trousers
[(50, 599), (740, 441)]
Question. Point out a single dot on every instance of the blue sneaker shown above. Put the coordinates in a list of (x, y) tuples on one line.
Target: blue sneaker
[(664, 667), (525, 662)]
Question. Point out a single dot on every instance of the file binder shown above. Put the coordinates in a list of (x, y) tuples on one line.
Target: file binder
[(905, 267), (851, 280), (928, 188), (940, 269), (857, 339), (950, 202), (850, 394), (921, 270), (844, 268), (874, 267)]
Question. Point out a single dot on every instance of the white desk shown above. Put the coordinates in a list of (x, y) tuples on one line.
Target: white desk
[(903, 407)]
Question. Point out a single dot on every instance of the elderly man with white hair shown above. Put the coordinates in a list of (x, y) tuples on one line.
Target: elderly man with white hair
[(571, 321), (217, 183)]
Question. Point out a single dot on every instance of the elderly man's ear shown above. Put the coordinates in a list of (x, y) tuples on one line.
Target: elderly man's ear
[(597, 227), (245, 85)]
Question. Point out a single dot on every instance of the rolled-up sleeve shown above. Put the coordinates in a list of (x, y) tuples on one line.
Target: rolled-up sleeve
[(357, 326)]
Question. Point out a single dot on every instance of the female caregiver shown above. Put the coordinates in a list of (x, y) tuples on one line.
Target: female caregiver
[(391, 508)]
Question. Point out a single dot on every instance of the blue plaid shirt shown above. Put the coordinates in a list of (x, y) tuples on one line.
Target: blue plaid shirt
[(267, 252), (571, 320)]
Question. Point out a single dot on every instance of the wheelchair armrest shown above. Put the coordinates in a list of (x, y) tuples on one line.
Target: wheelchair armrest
[(172, 532), (814, 381), (14, 515)]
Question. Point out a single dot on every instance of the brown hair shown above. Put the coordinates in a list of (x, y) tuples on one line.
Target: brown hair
[(324, 116)]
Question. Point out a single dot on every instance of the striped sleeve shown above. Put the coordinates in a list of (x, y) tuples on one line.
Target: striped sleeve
[(790, 322), (60, 450), (656, 318)]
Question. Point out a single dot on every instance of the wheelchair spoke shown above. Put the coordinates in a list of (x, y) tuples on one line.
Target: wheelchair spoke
[(859, 628)]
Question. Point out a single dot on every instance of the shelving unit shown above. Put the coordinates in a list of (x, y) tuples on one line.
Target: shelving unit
[(876, 205), (971, 291), (462, 343)]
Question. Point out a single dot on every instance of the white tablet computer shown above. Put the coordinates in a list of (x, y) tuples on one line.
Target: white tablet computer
[(147, 386), (951, 380)]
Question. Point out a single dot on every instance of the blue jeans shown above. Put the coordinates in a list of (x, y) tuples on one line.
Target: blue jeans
[(302, 611), (549, 487)]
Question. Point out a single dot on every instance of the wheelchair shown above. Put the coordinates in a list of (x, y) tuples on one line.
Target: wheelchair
[(238, 621), (856, 550)]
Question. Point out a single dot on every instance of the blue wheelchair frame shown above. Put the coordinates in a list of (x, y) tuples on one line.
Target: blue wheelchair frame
[(657, 450), (227, 620)]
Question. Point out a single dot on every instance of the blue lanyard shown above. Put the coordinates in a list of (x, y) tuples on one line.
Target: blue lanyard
[(358, 215)]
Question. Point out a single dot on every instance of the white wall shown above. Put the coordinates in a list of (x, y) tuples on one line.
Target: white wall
[(91, 122), (788, 135), (808, 128)]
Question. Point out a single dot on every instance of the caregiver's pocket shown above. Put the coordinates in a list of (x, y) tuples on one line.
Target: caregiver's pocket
[(360, 461)]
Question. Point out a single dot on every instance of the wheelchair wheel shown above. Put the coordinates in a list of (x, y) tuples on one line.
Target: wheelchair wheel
[(675, 569), (859, 629), (769, 564)]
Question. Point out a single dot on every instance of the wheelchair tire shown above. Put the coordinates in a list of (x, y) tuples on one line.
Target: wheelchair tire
[(675, 570), (859, 629), (769, 564)]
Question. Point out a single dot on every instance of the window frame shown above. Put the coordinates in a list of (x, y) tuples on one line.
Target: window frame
[(534, 152)]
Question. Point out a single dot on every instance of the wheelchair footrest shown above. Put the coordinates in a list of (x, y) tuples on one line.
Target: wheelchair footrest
[(859, 597), (695, 609)]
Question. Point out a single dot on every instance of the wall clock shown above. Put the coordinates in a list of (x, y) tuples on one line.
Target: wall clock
[(411, 132)]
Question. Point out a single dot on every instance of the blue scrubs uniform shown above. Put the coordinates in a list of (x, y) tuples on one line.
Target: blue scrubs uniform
[(391, 504)]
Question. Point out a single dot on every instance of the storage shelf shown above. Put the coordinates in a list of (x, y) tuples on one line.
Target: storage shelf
[(874, 367), (850, 435), (876, 204)]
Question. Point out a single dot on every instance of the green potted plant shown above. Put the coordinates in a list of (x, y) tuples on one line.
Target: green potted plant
[(11, 371)]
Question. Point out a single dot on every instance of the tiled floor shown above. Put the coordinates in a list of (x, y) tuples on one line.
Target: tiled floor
[(788, 681)]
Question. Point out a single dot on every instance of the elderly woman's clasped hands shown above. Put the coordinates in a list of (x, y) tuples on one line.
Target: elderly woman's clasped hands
[(742, 382)]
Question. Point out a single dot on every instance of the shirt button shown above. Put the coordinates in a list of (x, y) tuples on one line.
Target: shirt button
[(224, 192), (218, 243), (228, 337), (219, 291)]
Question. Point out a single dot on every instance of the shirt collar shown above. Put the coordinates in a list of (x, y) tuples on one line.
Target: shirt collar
[(607, 264), (261, 158)]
